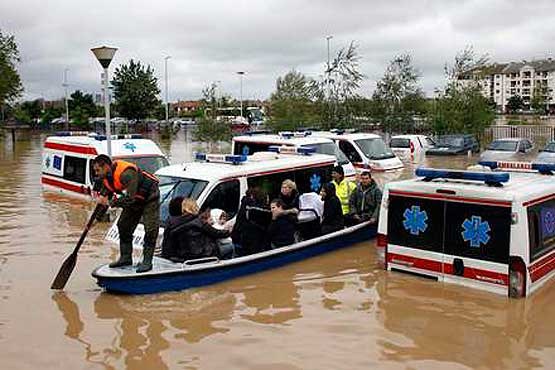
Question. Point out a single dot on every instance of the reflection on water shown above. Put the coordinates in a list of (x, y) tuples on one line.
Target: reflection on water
[(335, 311)]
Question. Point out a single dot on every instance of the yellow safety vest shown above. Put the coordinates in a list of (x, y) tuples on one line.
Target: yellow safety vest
[(343, 190)]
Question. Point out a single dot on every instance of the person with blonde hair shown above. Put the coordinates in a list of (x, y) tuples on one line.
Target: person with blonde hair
[(289, 195), (195, 237)]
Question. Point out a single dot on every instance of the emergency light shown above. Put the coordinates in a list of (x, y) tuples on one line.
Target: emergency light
[(220, 158), (490, 178), (303, 150), (290, 134), (544, 168), (73, 133), (116, 137)]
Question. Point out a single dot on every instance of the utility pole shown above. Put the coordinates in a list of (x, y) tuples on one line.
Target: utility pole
[(241, 73), (166, 78), (328, 93), (65, 85)]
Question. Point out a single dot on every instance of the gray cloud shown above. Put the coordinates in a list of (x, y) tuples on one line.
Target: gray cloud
[(211, 40)]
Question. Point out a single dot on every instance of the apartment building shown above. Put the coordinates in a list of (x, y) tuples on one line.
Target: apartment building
[(500, 81)]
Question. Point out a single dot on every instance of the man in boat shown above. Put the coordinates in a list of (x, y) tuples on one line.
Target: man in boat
[(364, 204), (343, 188), (136, 191)]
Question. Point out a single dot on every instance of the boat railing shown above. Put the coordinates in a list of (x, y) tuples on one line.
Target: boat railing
[(200, 261)]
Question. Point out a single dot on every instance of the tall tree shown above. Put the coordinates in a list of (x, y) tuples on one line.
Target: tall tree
[(399, 94), (514, 103), (460, 106), (10, 82), (338, 88), (209, 128), (291, 105), (135, 90)]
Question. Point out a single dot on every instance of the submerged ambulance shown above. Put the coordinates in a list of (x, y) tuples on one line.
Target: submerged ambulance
[(485, 229), (67, 157)]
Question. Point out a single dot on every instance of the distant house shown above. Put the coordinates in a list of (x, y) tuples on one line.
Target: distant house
[(184, 107)]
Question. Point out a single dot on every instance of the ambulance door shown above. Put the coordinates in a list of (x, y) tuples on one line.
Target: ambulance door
[(415, 232), (477, 240)]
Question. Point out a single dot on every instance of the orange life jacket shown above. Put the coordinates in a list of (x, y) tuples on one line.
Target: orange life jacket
[(114, 185)]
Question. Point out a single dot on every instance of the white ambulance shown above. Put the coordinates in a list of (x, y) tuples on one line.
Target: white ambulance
[(365, 151), (67, 156), (255, 142), (485, 229)]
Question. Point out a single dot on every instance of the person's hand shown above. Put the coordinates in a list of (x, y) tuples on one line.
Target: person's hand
[(102, 200)]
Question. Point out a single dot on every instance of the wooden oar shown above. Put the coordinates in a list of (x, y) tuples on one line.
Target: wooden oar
[(69, 264)]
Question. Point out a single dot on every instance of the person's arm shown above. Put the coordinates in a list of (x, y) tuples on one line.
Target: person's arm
[(378, 201), (215, 233), (353, 201), (130, 182)]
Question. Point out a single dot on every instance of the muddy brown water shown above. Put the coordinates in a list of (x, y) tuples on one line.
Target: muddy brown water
[(335, 311)]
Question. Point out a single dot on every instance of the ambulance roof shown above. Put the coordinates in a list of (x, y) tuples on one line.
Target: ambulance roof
[(521, 187), (120, 147), (258, 163), (346, 135), (277, 139)]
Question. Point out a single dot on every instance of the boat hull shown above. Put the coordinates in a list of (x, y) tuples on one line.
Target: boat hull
[(168, 276)]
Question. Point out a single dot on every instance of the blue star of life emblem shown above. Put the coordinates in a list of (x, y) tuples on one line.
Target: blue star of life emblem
[(315, 182), (549, 222), (130, 146), (245, 150), (415, 220), (47, 162), (476, 231)]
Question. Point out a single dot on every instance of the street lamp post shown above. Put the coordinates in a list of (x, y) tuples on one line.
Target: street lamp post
[(65, 85), (166, 78), (104, 55), (328, 38), (241, 73)]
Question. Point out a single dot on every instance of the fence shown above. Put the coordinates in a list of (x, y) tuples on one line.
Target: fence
[(539, 134)]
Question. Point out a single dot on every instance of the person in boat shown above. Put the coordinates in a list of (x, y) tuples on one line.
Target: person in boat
[(365, 201), (343, 188), (289, 196), (174, 220), (281, 231), (332, 218), (249, 231), (195, 237), (136, 191)]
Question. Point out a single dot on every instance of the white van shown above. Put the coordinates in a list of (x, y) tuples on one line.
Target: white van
[(67, 156), (365, 151), (253, 143), (410, 147), (485, 229)]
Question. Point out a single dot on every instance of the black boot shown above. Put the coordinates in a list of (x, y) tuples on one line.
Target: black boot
[(146, 265), (125, 258)]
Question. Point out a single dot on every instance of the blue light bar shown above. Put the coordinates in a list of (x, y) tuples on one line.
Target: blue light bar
[(71, 133), (220, 158), (490, 178), (307, 150), (544, 168), (117, 137), (337, 131)]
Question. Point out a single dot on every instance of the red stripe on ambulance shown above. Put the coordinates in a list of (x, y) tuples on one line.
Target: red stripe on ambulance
[(81, 189), (71, 148), (542, 267)]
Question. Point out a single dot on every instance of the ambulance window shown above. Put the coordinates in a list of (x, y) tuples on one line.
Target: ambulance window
[(249, 148), (349, 151), (270, 184), (224, 196), (541, 220), (149, 164), (416, 223), (75, 169), (478, 231)]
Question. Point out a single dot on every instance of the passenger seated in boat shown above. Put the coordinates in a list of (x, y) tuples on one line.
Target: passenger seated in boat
[(196, 238), (219, 220), (332, 219), (364, 204), (309, 216), (174, 220), (289, 196), (281, 231), (249, 231)]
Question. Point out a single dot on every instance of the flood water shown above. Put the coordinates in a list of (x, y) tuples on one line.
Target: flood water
[(335, 311)]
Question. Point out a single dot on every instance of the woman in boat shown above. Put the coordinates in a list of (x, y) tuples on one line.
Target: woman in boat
[(174, 220), (281, 231), (196, 238), (249, 231), (289, 196), (332, 219)]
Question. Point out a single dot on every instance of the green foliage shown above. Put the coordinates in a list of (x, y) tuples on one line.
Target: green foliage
[(135, 90), (10, 82), (539, 101), (515, 103), (22, 116), (398, 98), (49, 114), (32, 108), (291, 105), (209, 129)]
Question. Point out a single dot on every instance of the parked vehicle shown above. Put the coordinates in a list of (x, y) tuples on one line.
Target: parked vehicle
[(547, 154), (253, 143), (513, 149), (410, 147), (454, 144), (67, 156), (365, 151), (219, 182), (484, 229)]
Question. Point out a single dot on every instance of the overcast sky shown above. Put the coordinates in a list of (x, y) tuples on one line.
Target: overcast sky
[(211, 40)]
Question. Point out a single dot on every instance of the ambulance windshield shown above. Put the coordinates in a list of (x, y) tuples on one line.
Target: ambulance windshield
[(171, 187), (150, 164)]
